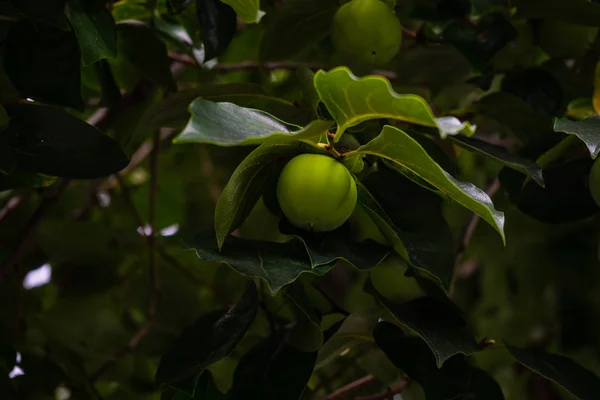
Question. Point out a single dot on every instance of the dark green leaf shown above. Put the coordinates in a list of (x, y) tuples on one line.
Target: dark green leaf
[(8, 158), (43, 63), (95, 30), (296, 27), (18, 179), (500, 154), (8, 358), (279, 264), (310, 97), (439, 323), (272, 369), (52, 142), (247, 10), (245, 186), (227, 124), (206, 389), (587, 130), (578, 381), (49, 11), (218, 22), (454, 380), (398, 147), (352, 100), (580, 12), (208, 340), (111, 93)]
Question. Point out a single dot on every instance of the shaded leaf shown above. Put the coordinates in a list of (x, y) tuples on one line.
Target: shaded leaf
[(245, 186), (272, 369), (8, 358), (577, 380), (49, 11), (580, 12), (227, 124), (296, 27), (111, 93), (43, 62), (454, 380), (279, 264), (352, 100), (310, 97), (500, 154), (587, 130), (208, 340), (247, 10), (218, 22), (18, 179), (52, 142), (438, 322), (398, 147), (8, 158), (95, 30)]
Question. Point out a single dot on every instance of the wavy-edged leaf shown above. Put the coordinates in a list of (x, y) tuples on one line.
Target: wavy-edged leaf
[(587, 130), (578, 381), (438, 322), (352, 100), (227, 124), (95, 30), (500, 154), (208, 340), (454, 380), (43, 62), (272, 369), (279, 264), (297, 26), (245, 186), (398, 147), (247, 10), (218, 22), (52, 142), (426, 250)]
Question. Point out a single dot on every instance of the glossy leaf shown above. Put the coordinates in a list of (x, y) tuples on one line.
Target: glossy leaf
[(352, 100), (296, 27), (398, 147), (247, 10), (245, 186), (95, 30), (208, 340), (43, 63), (439, 323), (500, 154), (218, 22), (587, 130), (272, 369), (580, 382), (454, 380), (227, 124), (52, 142), (279, 264)]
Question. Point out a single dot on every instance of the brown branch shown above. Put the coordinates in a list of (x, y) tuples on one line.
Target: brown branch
[(390, 393), (352, 386)]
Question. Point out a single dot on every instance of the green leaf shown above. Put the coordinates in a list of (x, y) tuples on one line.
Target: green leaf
[(352, 100), (52, 142), (577, 380), (8, 158), (209, 339), (218, 22), (587, 130), (310, 97), (139, 45), (111, 94), (429, 247), (273, 369), (439, 323), (43, 63), (227, 124), (296, 27), (398, 147), (245, 186), (579, 12), (454, 380), (18, 179), (95, 30), (500, 154), (49, 11), (247, 10), (279, 264)]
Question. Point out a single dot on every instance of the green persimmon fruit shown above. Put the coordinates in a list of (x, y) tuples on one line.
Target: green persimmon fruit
[(316, 192), (594, 181), (367, 31)]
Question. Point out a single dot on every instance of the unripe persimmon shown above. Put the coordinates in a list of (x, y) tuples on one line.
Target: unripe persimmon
[(316, 192)]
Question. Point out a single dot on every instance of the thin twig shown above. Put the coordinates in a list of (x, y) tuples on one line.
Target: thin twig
[(352, 386), (390, 393)]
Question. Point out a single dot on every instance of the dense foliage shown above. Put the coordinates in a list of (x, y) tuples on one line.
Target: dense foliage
[(441, 241)]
